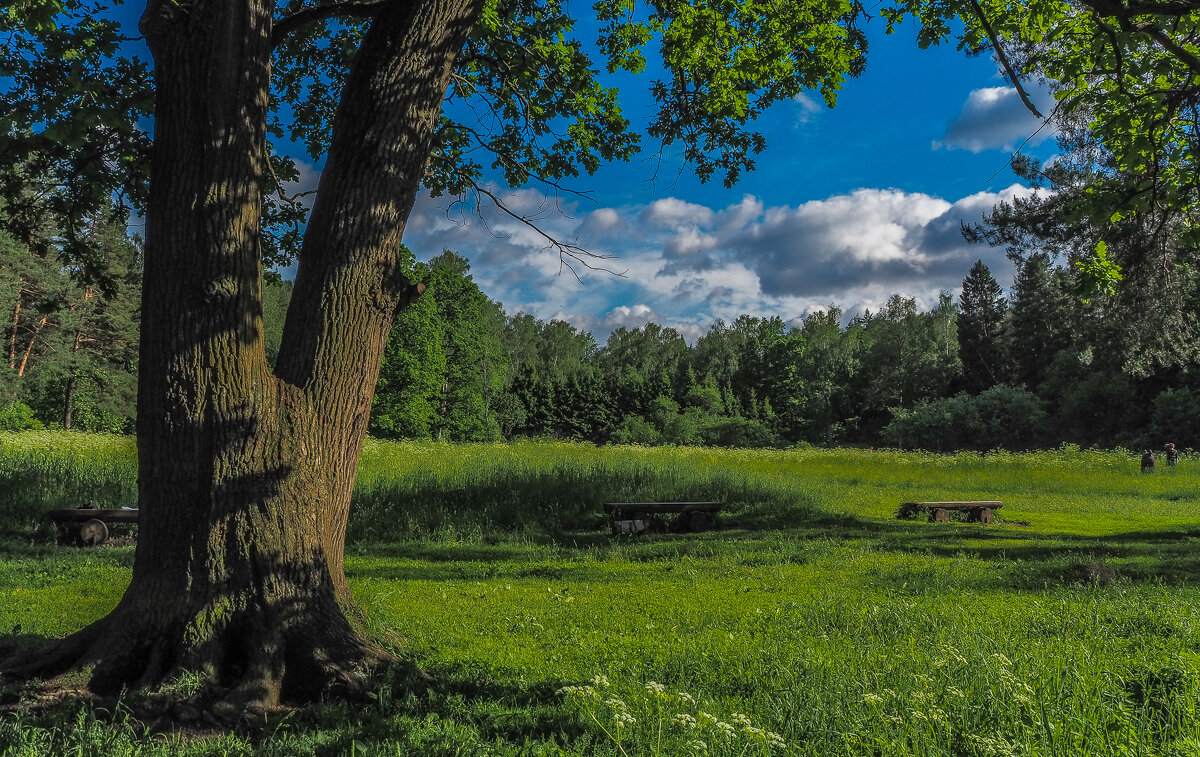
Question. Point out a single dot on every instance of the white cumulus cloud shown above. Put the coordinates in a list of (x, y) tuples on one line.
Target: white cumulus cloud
[(994, 118), (684, 264)]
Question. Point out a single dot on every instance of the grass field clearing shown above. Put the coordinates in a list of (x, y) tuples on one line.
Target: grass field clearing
[(814, 624)]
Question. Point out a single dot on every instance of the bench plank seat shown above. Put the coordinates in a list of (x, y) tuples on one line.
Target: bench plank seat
[(661, 507), (87, 527), (109, 516), (637, 517), (994, 505), (979, 511)]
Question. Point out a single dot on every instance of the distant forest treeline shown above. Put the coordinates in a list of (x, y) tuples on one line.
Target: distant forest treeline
[(1037, 367)]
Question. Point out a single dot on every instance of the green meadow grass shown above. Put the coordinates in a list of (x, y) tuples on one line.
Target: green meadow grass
[(814, 623)]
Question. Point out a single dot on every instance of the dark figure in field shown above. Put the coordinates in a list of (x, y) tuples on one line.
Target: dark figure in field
[(1172, 454), (1148, 462)]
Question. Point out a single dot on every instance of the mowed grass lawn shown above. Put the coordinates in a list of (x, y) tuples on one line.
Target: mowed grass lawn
[(813, 623)]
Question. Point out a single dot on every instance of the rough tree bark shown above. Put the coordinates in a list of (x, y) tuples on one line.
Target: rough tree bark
[(245, 475)]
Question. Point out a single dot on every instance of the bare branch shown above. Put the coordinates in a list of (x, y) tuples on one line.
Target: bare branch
[(283, 196), (520, 167), (1045, 122), (289, 24), (567, 251)]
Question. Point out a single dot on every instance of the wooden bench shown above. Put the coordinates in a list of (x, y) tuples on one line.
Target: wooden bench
[(639, 517), (87, 527), (939, 512)]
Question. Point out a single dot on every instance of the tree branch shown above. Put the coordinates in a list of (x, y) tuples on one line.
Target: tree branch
[(1168, 44), (567, 251), (291, 23), (1124, 13), (1169, 8), (1008, 67)]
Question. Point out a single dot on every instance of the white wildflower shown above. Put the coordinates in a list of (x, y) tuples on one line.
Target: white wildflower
[(600, 681), (583, 691), (684, 720), (656, 688), (872, 698), (740, 719), (685, 697)]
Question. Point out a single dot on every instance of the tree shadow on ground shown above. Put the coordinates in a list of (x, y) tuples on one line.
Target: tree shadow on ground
[(1038, 559), (1020, 558), (14, 640), (474, 570), (452, 710)]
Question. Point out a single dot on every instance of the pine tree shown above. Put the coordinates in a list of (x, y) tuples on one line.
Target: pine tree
[(981, 330), (1039, 319)]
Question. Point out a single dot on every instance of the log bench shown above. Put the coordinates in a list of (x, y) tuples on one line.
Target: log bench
[(939, 512), (639, 517), (86, 527)]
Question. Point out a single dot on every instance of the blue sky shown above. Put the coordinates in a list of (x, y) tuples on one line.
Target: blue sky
[(847, 206)]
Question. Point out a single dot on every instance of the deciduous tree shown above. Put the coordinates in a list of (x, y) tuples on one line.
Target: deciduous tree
[(246, 471)]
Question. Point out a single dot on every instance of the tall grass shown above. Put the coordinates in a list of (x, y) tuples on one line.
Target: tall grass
[(44, 470), (407, 490)]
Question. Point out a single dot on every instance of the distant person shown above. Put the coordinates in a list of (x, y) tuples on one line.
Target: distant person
[(1148, 462), (1172, 454)]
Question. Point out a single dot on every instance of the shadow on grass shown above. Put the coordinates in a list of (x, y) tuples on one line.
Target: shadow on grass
[(449, 711), (13, 641), (1019, 558), (471, 570), (1023, 558)]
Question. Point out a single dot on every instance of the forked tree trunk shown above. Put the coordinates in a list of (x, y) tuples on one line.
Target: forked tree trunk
[(245, 475)]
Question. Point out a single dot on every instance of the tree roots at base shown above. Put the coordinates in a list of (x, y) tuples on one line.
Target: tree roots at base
[(249, 666)]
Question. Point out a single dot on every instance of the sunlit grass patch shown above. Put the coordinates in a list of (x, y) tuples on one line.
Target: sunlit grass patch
[(813, 616)]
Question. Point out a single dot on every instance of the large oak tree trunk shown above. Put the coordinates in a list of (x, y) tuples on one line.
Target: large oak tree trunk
[(245, 475)]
